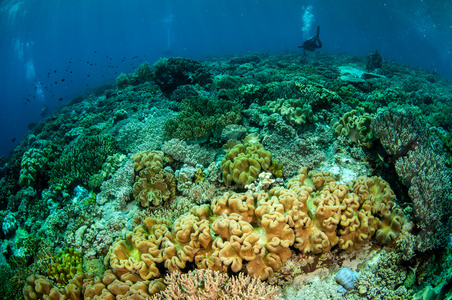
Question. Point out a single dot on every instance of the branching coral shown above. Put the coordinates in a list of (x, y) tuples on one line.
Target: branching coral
[(80, 160), (205, 284), (200, 116), (424, 172), (395, 130), (141, 75), (33, 161)]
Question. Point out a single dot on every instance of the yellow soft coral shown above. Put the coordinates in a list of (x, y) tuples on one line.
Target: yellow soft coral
[(64, 266), (356, 127), (243, 163), (153, 184), (254, 231)]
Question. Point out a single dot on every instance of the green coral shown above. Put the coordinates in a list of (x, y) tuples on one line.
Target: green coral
[(141, 75), (80, 161), (170, 73), (33, 161), (294, 111), (447, 140), (63, 267), (200, 116), (355, 127), (276, 168), (243, 163)]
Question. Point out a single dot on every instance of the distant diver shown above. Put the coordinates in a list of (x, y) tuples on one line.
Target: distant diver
[(312, 43)]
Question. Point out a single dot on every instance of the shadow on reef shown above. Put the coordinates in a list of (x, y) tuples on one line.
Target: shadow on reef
[(283, 167)]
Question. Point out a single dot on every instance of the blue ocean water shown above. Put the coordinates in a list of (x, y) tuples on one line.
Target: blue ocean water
[(52, 51)]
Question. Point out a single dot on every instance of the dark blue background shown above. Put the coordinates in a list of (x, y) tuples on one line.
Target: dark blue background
[(97, 38)]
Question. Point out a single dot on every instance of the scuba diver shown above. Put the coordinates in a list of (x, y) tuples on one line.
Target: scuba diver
[(312, 43)]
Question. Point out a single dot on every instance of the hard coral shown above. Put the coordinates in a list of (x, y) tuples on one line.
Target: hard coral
[(153, 184), (254, 231), (33, 161), (141, 75), (173, 72), (200, 116), (205, 284)]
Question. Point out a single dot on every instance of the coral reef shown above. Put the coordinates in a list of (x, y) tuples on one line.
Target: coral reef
[(156, 138), (396, 131), (33, 161)]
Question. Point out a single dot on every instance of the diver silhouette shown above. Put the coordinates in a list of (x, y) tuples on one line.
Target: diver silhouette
[(312, 43)]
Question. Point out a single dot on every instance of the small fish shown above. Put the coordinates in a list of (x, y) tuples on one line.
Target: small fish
[(28, 100), (95, 51), (54, 71), (60, 99), (62, 80), (13, 140)]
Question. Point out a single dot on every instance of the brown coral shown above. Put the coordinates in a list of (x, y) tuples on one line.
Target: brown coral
[(205, 284), (254, 231), (243, 163), (153, 184), (356, 127)]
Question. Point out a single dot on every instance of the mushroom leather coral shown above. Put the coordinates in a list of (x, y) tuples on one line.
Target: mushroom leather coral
[(253, 231), (86, 286), (243, 163), (153, 185), (356, 128)]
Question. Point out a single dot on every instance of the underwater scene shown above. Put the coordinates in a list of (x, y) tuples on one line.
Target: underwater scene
[(226, 150)]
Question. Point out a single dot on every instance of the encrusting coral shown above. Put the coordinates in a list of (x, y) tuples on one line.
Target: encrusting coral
[(153, 184), (253, 231)]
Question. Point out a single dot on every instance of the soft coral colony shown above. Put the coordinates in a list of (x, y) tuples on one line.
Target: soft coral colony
[(243, 178)]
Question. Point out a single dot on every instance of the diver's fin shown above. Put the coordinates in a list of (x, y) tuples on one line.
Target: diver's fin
[(318, 31)]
